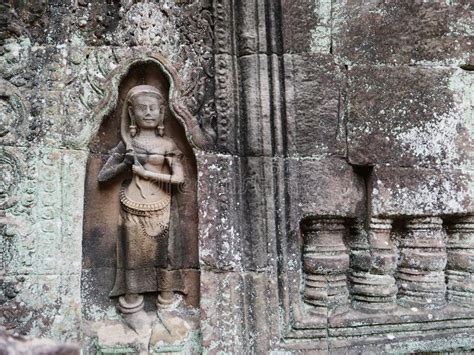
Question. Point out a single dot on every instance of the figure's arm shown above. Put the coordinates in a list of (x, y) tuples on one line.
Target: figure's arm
[(176, 168), (117, 163), (176, 176)]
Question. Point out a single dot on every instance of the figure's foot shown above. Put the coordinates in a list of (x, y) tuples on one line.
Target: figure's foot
[(140, 322), (130, 303), (165, 300), (169, 330)]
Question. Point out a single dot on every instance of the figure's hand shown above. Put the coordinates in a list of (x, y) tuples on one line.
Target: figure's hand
[(129, 158), (139, 170)]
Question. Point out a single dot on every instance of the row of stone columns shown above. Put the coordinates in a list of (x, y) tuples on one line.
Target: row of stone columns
[(428, 265)]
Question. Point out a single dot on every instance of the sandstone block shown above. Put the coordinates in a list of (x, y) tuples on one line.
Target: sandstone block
[(315, 86), (325, 187), (402, 32), (238, 306), (419, 191), (408, 116)]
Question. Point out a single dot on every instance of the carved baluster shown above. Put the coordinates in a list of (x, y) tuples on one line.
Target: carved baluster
[(373, 262), (325, 262), (423, 258), (460, 267)]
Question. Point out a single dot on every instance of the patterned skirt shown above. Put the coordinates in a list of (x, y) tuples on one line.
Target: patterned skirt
[(142, 247)]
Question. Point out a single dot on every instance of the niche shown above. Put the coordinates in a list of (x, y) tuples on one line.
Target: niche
[(104, 206)]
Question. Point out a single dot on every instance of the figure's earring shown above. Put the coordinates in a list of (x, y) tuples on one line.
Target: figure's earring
[(132, 127), (160, 129), (133, 130)]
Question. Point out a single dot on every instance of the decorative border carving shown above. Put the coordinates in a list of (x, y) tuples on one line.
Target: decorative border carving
[(12, 97), (9, 182), (198, 138)]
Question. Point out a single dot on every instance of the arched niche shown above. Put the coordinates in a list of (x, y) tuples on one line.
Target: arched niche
[(102, 206)]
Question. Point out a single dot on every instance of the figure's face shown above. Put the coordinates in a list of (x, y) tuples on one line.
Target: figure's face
[(146, 111)]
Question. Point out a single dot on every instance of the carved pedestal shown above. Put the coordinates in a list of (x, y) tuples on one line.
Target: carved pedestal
[(325, 262), (373, 262), (460, 266), (423, 258)]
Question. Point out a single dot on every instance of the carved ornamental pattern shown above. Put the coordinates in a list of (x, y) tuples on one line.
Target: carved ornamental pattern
[(423, 268)]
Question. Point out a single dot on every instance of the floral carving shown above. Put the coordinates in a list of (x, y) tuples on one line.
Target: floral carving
[(183, 33), (10, 168), (12, 113)]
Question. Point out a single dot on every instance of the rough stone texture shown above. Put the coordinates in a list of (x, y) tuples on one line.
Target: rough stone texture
[(344, 110), (46, 300), (315, 88), (237, 312), (11, 345), (408, 116), (420, 191), (300, 14), (318, 193), (403, 33)]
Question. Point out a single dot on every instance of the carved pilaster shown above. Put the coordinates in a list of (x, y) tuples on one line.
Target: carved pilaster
[(373, 263), (325, 262), (460, 266), (423, 258)]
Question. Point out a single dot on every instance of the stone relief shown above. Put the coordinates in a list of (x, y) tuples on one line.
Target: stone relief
[(325, 262), (10, 169), (344, 274), (13, 113), (413, 267), (181, 32), (146, 201), (149, 170)]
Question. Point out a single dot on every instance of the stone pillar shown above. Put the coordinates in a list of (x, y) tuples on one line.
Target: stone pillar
[(325, 262), (423, 258), (373, 262), (460, 266)]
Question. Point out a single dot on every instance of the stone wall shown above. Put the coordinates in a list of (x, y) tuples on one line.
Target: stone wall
[(335, 193)]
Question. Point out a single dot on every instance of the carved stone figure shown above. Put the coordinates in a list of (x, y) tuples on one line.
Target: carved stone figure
[(147, 209)]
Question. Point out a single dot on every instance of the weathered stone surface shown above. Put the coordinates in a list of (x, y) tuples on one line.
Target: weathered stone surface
[(232, 221), (10, 345), (420, 192), (296, 136), (237, 313), (303, 16), (241, 185), (255, 110), (392, 341), (42, 211), (13, 114), (402, 32), (225, 101), (44, 22), (408, 116), (459, 270), (315, 192), (420, 277), (325, 263), (373, 261), (42, 305), (315, 115)]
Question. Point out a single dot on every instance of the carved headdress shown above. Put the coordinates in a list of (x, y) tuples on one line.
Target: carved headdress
[(128, 129)]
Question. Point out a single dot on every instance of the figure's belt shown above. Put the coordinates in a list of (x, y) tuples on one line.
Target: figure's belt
[(144, 207)]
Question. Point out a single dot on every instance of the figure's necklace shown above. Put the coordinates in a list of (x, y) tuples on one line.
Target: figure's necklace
[(146, 148)]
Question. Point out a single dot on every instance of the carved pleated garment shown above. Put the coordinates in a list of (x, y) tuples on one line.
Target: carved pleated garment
[(142, 248)]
